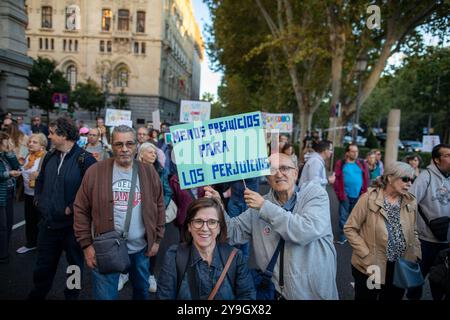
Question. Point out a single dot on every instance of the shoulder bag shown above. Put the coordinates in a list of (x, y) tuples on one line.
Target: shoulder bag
[(111, 252)]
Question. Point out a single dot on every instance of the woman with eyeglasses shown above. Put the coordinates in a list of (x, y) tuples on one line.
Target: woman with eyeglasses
[(191, 270), (381, 229)]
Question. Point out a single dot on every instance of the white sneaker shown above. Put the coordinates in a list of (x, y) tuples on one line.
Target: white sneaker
[(123, 278), (25, 249), (152, 284)]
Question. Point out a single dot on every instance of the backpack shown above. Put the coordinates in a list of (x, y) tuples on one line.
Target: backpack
[(182, 262)]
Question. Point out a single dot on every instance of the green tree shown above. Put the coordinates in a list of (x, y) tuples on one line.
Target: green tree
[(218, 110), (121, 101), (45, 80), (420, 90), (88, 96), (294, 54)]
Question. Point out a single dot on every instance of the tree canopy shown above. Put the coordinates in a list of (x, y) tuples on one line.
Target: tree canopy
[(420, 89), (44, 81), (88, 96), (288, 55)]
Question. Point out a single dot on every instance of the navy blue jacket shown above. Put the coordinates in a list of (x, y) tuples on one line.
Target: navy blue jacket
[(54, 192), (206, 276)]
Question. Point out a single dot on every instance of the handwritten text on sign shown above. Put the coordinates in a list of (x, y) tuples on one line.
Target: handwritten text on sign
[(220, 150)]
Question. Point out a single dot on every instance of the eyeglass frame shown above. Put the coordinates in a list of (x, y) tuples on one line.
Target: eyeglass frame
[(120, 144), (193, 221)]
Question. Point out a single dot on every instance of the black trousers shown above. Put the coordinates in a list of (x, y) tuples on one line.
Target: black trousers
[(387, 291), (51, 244), (6, 223), (32, 217)]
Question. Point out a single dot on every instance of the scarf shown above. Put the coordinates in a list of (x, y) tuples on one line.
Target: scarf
[(32, 157)]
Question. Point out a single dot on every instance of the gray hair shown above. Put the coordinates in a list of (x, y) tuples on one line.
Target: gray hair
[(146, 146), (41, 138), (396, 169), (124, 129)]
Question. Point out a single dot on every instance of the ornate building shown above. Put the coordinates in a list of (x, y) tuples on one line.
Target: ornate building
[(152, 49), (14, 63)]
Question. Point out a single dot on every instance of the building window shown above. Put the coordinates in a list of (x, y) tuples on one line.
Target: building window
[(124, 18), (136, 47), (109, 46), (46, 43), (143, 47), (76, 45), (70, 45), (52, 44), (122, 78), (102, 46), (28, 42), (46, 17), (72, 17), (140, 22), (71, 75), (106, 19), (64, 44)]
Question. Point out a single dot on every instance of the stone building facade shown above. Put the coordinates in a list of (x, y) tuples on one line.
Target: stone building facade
[(152, 49), (14, 63)]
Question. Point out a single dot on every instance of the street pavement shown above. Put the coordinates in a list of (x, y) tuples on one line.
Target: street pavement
[(16, 277)]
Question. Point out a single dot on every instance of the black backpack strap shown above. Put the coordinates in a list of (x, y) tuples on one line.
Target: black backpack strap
[(81, 161), (182, 261)]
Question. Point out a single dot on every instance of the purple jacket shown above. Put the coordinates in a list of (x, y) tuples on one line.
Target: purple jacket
[(339, 183)]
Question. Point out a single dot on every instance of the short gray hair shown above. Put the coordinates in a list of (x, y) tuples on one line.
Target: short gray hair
[(396, 169), (124, 129)]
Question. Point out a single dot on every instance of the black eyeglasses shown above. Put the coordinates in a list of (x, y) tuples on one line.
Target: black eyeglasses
[(128, 144), (211, 223), (407, 179)]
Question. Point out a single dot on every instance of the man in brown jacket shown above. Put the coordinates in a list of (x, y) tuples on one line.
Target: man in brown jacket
[(101, 204)]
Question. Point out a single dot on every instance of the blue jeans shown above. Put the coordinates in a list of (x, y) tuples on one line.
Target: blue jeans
[(235, 208), (104, 286), (345, 208)]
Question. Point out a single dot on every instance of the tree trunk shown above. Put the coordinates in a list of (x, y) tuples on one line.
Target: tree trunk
[(303, 128)]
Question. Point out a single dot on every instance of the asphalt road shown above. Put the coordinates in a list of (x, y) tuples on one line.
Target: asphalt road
[(16, 277)]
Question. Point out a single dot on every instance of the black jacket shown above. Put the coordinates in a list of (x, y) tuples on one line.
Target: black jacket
[(54, 192)]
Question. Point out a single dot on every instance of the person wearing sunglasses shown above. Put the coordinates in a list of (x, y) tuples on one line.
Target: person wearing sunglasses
[(381, 229), (207, 252), (300, 217)]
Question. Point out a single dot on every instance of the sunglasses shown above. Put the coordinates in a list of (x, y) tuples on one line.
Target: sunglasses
[(407, 179)]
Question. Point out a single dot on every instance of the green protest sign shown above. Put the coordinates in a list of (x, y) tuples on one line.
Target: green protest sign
[(220, 150)]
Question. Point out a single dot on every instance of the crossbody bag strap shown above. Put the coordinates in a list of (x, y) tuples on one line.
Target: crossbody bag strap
[(281, 277), (223, 274), (130, 199), (273, 261)]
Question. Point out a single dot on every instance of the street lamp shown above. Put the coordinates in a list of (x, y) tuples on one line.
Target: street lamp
[(361, 65)]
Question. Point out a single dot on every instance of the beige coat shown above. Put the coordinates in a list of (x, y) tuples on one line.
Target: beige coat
[(367, 233)]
